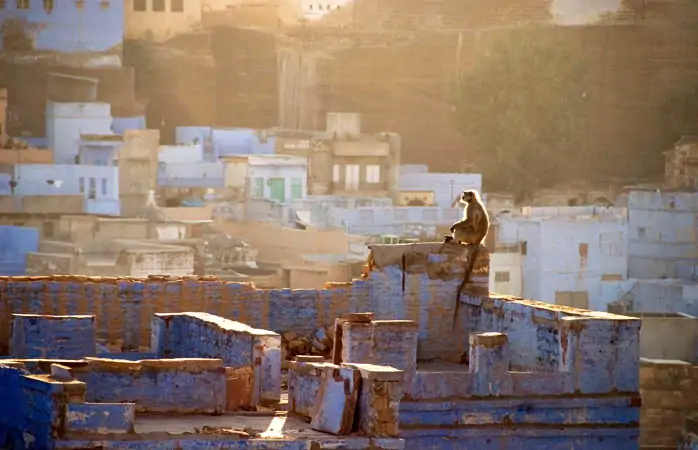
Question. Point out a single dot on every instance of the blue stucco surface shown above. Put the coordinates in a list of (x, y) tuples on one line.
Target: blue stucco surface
[(569, 378), (238, 345), (122, 124), (100, 417), (52, 337), (15, 243), (336, 400), (303, 385), (241, 141), (202, 443), (30, 410), (163, 386), (97, 26)]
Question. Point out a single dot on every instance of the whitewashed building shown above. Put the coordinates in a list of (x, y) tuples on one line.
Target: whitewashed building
[(566, 253), (663, 242), (279, 178)]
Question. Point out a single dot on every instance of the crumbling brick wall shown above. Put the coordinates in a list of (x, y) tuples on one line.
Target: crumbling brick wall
[(413, 282), (668, 389)]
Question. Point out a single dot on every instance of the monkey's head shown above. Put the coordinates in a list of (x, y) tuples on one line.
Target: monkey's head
[(468, 196)]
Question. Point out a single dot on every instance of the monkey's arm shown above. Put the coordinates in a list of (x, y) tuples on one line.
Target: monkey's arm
[(458, 224)]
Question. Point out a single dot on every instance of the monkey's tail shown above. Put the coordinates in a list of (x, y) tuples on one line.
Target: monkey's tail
[(470, 265)]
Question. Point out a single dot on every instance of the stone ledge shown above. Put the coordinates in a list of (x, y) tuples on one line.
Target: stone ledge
[(188, 365), (210, 320)]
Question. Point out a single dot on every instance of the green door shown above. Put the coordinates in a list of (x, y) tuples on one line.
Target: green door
[(278, 189)]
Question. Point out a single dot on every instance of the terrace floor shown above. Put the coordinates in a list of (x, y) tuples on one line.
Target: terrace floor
[(249, 430), (264, 425)]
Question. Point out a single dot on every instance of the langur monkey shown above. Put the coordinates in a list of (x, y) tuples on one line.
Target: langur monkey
[(471, 230)]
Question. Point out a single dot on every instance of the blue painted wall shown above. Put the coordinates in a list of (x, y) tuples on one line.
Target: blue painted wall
[(5, 188), (99, 154), (203, 174), (586, 363), (38, 142), (96, 27), (15, 243), (29, 407), (241, 141), (122, 124), (100, 417), (389, 292), (40, 337), (163, 386), (200, 335)]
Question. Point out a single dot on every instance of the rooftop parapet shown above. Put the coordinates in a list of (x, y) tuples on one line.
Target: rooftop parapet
[(416, 282), (202, 335)]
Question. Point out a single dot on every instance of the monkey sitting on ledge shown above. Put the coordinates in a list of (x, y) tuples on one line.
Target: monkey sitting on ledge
[(473, 228), (470, 230)]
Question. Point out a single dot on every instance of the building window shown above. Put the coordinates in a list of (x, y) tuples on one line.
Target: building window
[(93, 189), (48, 230), (177, 6), (258, 191), (81, 183), (23, 4), (351, 177), (48, 6), (296, 188), (641, 232), (335, 173), (158, 5), (139, 5), (524, 248), (501, 277), (2, 4), (583, 250), (373, 174), (104, 186)]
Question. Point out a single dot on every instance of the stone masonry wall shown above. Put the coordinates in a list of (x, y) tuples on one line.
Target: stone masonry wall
[(416, 282), (589, 401), (162, 385), (31, 411), (668, 390), (201, 335), (58, 337), (413, 282)]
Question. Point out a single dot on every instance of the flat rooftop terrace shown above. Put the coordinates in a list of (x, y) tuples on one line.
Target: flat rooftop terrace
[(226, 431)]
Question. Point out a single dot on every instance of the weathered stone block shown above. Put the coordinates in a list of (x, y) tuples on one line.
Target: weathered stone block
[(303, 385), (164, 385), (379, 400), (60, 372), (381, 342), (203, 335), (601, 355), (100, 418), (239, 388), (489, 364), (335, 403), (46, 336)]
